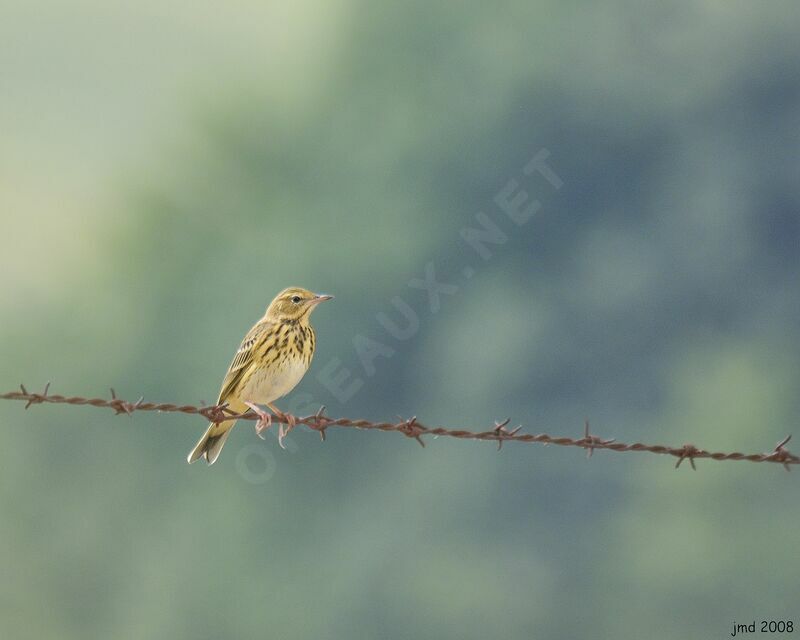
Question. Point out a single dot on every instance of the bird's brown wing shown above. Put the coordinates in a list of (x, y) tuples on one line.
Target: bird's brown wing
[(244, 358)]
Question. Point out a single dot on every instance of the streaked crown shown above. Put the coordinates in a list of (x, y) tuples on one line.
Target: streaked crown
[(294, 303)]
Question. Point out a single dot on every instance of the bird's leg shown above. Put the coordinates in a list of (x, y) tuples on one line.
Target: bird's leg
[(264, 419), (283, 430)]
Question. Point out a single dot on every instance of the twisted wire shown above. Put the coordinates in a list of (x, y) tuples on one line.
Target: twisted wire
[(412, 428)]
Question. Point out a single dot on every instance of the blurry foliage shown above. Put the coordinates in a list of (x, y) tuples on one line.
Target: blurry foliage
[(656, 293)]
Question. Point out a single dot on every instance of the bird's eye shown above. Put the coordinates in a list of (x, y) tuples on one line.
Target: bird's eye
[(296, 299)]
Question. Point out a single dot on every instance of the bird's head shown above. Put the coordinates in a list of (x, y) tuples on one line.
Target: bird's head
[(294, 303)]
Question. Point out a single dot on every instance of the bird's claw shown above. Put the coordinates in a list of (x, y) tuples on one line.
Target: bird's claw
[(284, 429), (287, 422), (264, 419)]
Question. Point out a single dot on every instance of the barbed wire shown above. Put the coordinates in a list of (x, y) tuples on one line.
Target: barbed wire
[(412, 428)]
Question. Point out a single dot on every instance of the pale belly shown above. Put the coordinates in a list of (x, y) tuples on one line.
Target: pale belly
[(269, 385)]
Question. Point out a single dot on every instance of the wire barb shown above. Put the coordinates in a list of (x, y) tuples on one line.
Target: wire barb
[(217, 413), (593, 442), (412, 428), (35, 398), (781, 454), (501, 431), (320, 422), (689, 451)]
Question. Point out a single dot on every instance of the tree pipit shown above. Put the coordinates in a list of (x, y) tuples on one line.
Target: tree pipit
[(273, 357)]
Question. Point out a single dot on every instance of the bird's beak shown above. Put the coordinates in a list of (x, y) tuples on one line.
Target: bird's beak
[(319, 298)]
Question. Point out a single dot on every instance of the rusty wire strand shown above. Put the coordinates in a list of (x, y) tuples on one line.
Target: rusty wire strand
[(412, 428)]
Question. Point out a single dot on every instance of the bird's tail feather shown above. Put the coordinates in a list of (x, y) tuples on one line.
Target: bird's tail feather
[(210, 445)]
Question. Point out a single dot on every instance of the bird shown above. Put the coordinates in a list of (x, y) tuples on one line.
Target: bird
[(271, 360)]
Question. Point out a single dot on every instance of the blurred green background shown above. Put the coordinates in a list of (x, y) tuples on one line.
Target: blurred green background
[(165, 170)]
